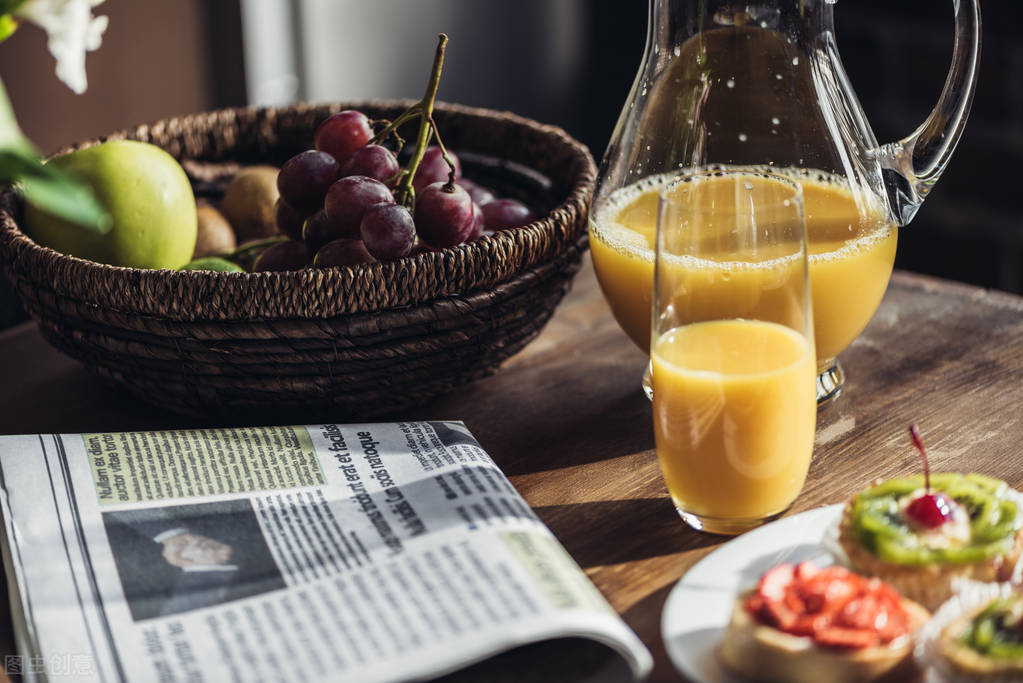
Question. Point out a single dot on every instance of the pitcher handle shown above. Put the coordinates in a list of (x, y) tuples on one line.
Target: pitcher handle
[(911, 166)]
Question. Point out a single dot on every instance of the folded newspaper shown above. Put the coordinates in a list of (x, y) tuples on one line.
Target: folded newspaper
[(371, 552)]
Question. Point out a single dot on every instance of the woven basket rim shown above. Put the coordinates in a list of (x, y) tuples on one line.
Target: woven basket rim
[(76, 278)]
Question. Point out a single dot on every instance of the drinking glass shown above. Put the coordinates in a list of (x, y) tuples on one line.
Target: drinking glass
[(732, 347)]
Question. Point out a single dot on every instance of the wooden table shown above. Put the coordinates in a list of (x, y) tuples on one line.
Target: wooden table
[(567, 422)]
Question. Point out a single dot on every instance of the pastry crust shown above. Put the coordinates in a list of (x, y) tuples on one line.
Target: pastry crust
[(929, 584), (764, 653)]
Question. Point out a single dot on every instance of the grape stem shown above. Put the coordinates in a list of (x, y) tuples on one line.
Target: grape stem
[(444, 153), (392, 126), (254, 245), (405, 195), (914, 433)]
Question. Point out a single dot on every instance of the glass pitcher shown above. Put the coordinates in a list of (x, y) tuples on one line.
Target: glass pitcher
[(761, 85)]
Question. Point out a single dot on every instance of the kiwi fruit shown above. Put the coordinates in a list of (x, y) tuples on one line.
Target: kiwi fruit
[(249, 202), (215, 235)]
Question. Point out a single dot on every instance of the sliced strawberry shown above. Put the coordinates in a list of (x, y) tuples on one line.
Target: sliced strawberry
[(834, 606), (755, 604), (836, 636), (807, 625), (780, 615), (794, 602), (806, 570), (775, 581), (860, 613)]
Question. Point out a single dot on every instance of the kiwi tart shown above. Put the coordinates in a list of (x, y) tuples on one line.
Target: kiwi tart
[(988, 641), (975, 637), (923, 536)]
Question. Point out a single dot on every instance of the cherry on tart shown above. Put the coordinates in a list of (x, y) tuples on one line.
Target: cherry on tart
[(930, 509), (925, 533)]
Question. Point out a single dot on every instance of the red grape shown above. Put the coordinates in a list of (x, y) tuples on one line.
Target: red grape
[(289, 219), (304, 178), (422, 248), (443, 215), (481, 195), (433, 168), (318, 230), (500, 214), (372, 161), (349, 198), (342, 252), (343, 133), (388, 231), (288, 255), (476, 231)]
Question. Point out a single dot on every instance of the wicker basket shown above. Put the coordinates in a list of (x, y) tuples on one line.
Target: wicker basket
[(333, 344)]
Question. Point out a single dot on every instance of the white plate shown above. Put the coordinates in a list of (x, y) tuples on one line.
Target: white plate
[(700, 605)]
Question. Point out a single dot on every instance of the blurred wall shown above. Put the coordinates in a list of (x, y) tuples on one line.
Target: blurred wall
[(158, 59), (897, 54)]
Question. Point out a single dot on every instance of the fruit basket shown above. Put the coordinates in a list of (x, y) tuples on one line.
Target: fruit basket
[(332, 344)]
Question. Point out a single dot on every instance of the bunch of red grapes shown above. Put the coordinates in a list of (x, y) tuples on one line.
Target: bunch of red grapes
[(338, 205)]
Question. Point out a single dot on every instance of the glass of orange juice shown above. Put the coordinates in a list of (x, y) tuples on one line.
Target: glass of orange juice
[(732, 347)]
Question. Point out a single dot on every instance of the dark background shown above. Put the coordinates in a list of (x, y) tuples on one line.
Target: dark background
[(161, 59)]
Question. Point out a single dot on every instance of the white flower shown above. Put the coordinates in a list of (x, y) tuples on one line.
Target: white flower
[(72, 31)]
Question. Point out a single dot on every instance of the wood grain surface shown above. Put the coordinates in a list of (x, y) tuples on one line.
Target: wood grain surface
[(567, 422)]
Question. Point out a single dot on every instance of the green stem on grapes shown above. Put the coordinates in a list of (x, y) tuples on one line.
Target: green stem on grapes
[(444, 153), (248, 247), (405, 194), (392, 126)]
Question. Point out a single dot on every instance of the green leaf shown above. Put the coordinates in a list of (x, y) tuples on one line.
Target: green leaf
[(45, 187), (11, 136), (9, 6), (54, 191), (7, 26)]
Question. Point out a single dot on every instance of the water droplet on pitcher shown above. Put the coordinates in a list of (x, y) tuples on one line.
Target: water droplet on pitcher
[(730, 83), (775, 120), (786, 202), (795, 61), (743, 138), (763, 24), (778, 76), (748, 185), (677, 50)]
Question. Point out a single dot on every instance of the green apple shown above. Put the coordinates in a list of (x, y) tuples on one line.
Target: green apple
[(148, 197)]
